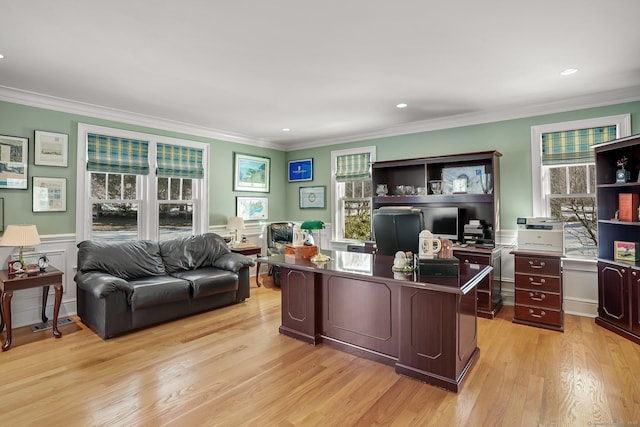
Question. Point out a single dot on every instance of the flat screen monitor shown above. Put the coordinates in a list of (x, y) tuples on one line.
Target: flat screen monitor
[(443, 222)]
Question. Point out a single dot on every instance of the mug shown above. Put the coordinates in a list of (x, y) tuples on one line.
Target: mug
[(429, 245)]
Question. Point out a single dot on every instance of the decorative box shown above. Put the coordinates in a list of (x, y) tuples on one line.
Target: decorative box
[(628, 207), (626, 251), (304, 252)]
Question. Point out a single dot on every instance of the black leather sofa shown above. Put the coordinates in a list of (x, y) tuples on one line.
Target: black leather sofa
[(130, 285)]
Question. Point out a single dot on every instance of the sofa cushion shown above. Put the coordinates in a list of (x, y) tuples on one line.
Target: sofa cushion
[(150, 291), (191, 252), (209, 281), (126, 260)]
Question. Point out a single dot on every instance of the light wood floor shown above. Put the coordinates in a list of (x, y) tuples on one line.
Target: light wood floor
[(230, 367)]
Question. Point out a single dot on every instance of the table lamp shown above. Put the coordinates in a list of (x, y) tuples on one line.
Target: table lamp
[(235, 223), (20, 235), (316, 225)]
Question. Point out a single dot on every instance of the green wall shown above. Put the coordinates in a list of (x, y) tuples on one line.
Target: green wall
[(20, 120), (512, 138)]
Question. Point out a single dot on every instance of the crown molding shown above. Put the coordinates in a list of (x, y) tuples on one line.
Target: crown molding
[(601, 99), (582, 102), (38, 100)]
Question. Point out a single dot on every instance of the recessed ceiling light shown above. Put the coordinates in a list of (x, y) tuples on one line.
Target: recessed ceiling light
[(569, 71), (1, 56), (401, 105), (286, 130)]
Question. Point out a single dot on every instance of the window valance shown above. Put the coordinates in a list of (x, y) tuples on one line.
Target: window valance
[(574, 146), (353, 167), (177, 161), (117, 155)]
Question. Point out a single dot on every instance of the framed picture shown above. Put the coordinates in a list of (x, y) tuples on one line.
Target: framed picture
[(252, 208), (49, 194), (51, 149), (312, 197), (251, 173), (14, 158), (301, 170)]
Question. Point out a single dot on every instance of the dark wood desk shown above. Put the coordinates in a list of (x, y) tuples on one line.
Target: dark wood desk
[(251, 250), (16, 282), (424, 326)]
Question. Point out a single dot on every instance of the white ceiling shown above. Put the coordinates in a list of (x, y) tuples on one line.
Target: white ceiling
[(331, 70)]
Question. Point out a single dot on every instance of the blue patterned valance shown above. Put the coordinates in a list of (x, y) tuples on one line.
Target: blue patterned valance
[(175, 161), (574, 146), (117, 155), (353, 167)]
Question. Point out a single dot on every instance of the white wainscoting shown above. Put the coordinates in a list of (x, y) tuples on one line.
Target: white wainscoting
[(579, 276)]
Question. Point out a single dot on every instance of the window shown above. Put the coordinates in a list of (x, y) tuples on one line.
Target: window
[(352, 195), (563, 173), (139, 186)]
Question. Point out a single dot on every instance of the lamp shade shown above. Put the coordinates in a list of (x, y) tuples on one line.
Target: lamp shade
[(20, 235), (235, 223), (312, 225)]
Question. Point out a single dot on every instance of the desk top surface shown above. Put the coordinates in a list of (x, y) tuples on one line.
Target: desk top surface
[(379, 267)]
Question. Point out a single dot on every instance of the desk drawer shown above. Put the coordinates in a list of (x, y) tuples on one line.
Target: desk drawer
[(537, 265), (468, 258), (538, 283), (538, 299), (538, 315)]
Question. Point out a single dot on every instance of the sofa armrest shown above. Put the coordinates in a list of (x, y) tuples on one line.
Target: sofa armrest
[(101, 284), (233, 262)]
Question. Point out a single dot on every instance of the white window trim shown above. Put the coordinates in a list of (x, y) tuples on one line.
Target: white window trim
[(335, 208), (149, 205), (623, 128)]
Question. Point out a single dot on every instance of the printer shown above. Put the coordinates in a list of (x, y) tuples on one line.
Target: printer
[(540, 234)]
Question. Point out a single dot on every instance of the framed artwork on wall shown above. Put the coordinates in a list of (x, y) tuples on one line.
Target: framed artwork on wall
[(14, 159), (312, 197), (252, 208), (49, 194), (251, 173), (301, 170), (51, 149)]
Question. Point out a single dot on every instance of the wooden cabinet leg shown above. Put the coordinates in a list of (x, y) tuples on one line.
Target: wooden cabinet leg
[(45, 294), (56, 309), (6, 310)]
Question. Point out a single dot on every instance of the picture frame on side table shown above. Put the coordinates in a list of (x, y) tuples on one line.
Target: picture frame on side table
[(313, 197), (252, 208), (14, 161), (49, 194), (251, 173), (300, 170), (51, 149)]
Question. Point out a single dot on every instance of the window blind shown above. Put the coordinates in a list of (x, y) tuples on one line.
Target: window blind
[(177, 161), (574, 146), (117, 155), (353, 167)]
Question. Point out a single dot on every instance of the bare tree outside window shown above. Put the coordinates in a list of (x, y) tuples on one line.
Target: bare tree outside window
[(572, 200)]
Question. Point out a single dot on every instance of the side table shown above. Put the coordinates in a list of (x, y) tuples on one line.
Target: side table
[(16, 282), (251, 250)]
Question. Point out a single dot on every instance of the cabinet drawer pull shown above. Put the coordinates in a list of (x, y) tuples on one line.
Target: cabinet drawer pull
[(531, 313), (534, 298), (532, 265), (540, 283)]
